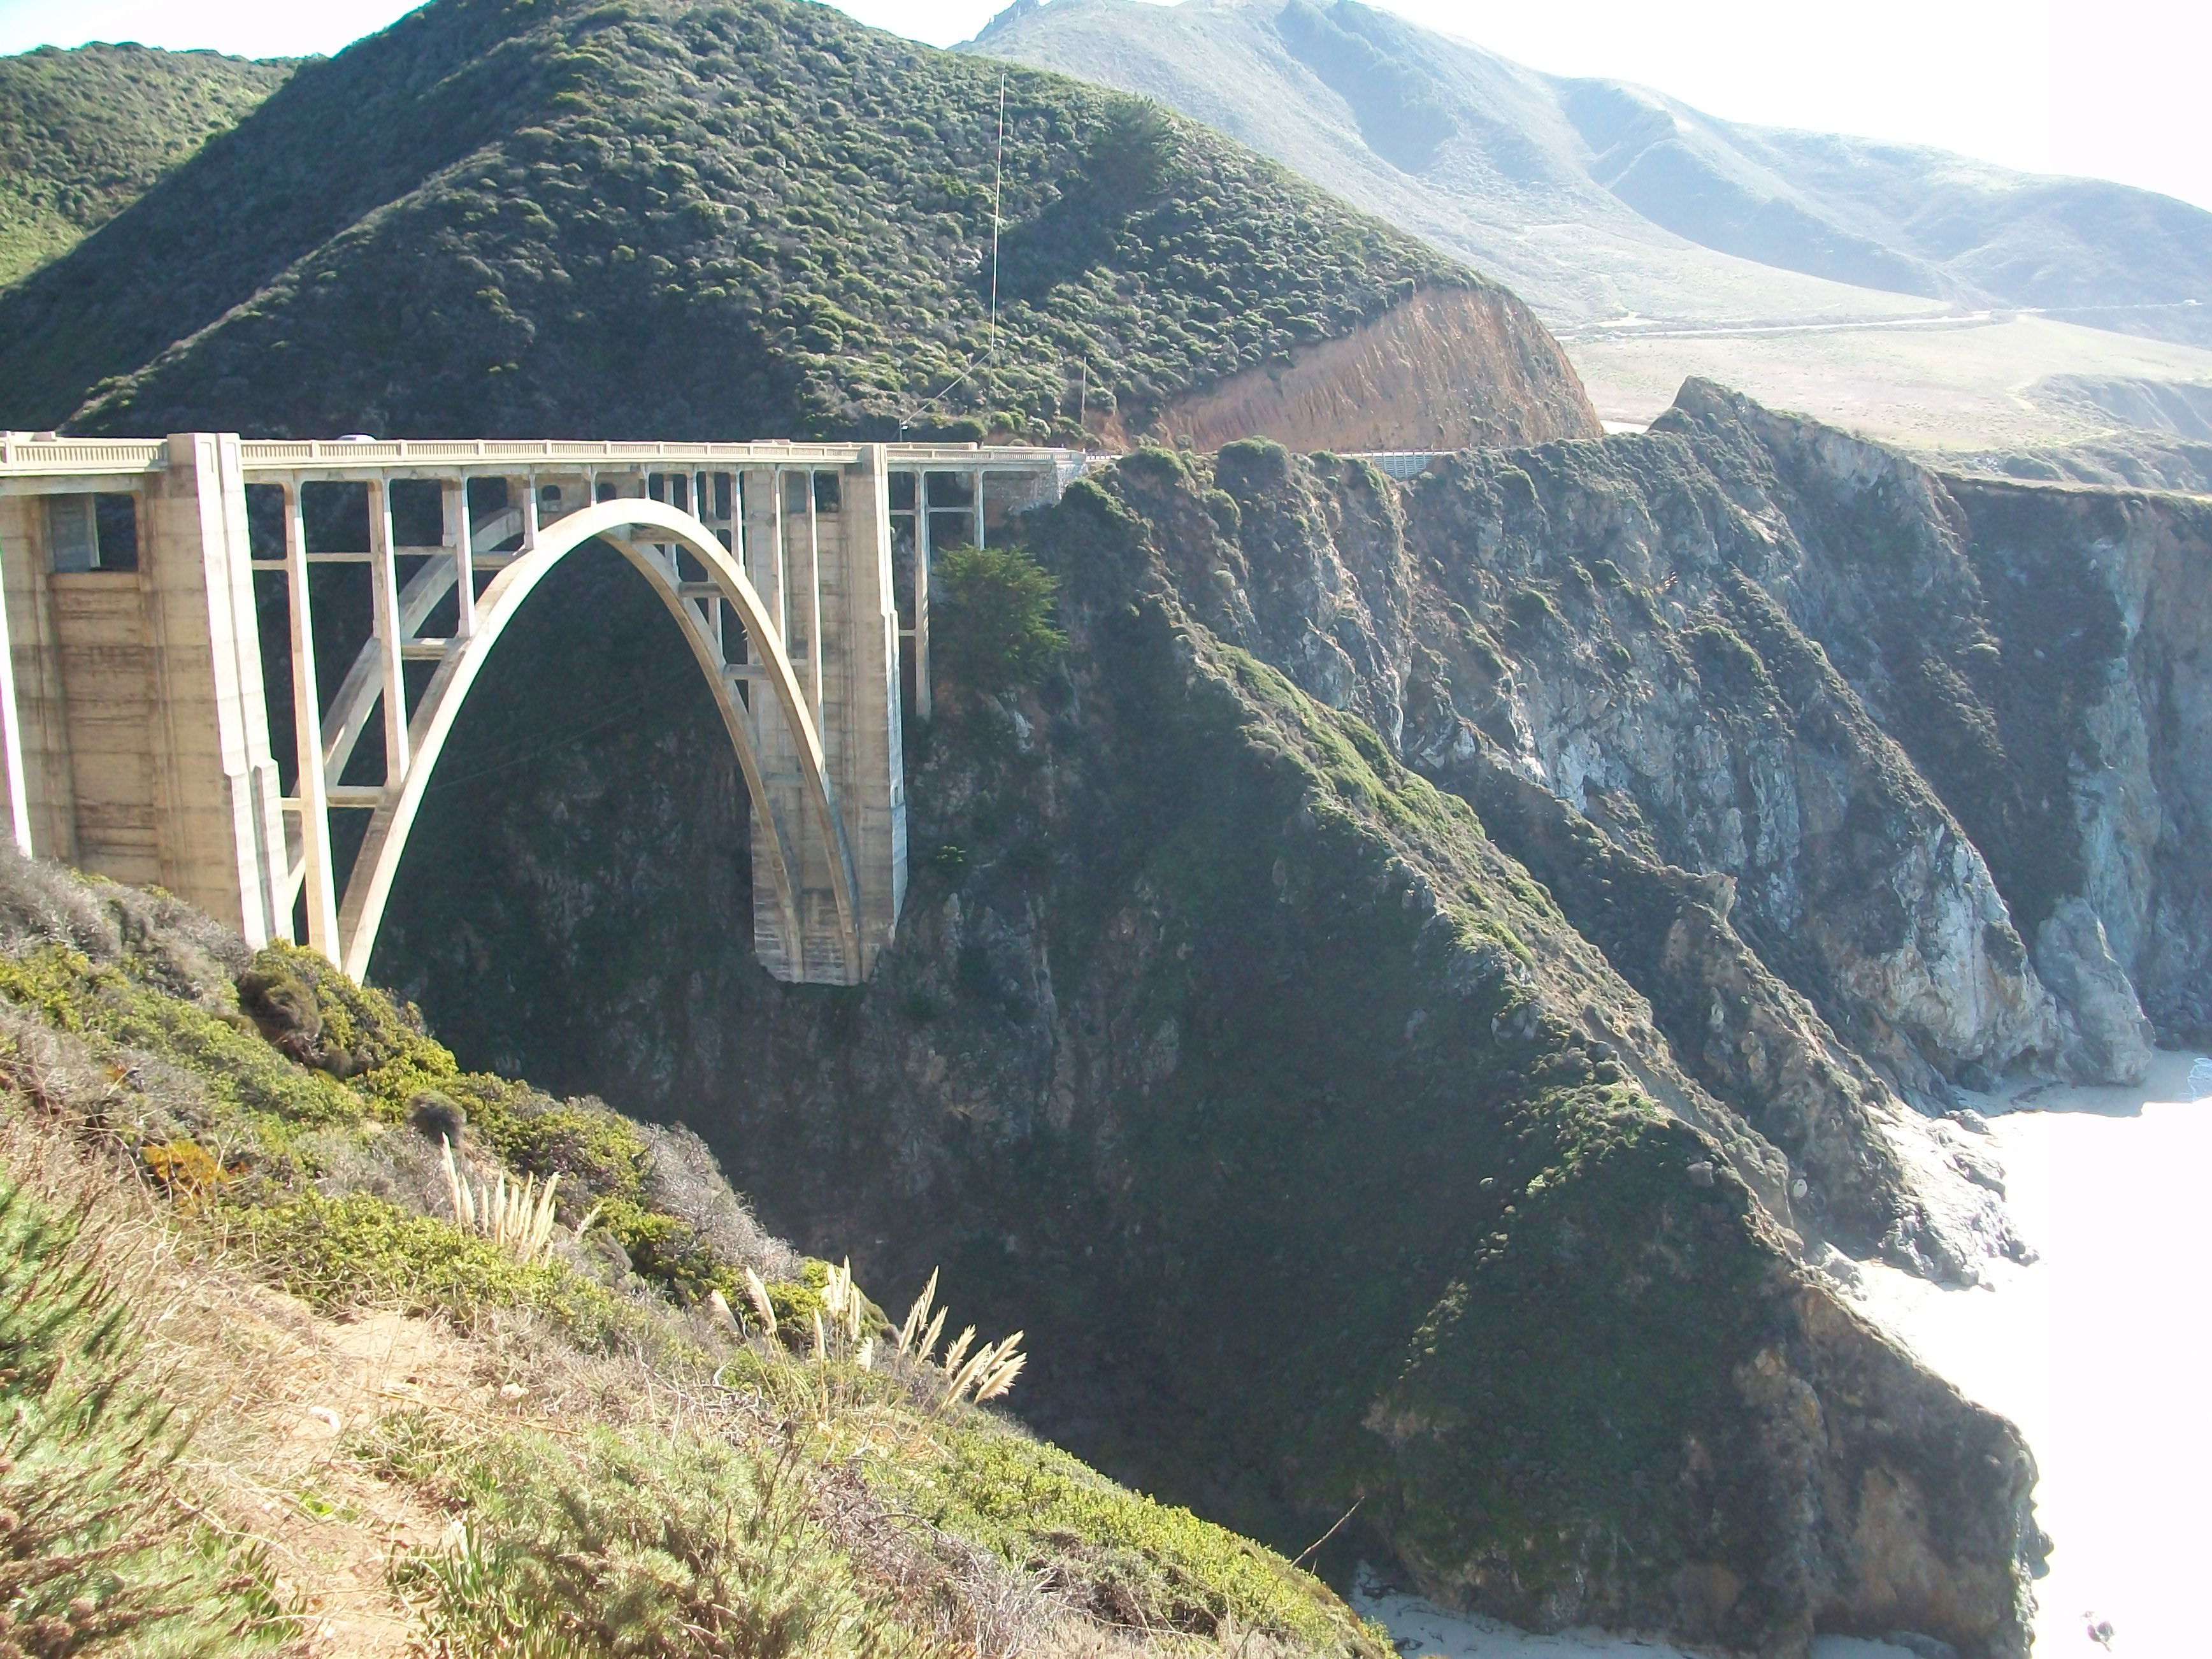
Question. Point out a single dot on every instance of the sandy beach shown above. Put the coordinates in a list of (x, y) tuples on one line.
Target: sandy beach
[(2099, 1350)]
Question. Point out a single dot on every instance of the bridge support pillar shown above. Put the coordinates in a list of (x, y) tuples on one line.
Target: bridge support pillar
[(859, 721), (225, 850)]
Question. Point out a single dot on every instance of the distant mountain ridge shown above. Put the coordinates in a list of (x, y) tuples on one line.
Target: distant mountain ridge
[(1904, 217), (1593, 198)]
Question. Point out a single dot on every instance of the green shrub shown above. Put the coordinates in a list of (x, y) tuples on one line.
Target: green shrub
[(313, 1013), (1123, 1556), (994, 628), (648, 1546), (1727, 665), (97, 1554), (1228, 518), (1530, 607), (796, 1300), (1252, 467), (263, 1097), (362, 1251)]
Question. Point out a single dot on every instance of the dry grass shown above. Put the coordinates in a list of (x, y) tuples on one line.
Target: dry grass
[(984, 1375), (516, 1216)]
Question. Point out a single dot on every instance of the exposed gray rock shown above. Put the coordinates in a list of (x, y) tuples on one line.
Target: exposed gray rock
[(2111, 1040)]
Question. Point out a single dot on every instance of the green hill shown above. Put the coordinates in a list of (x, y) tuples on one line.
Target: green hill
[(694, 219), (85, 133)]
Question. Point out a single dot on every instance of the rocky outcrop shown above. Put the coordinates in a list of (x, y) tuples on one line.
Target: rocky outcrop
[(1867, 1174), (2112, 1038), (1906, 716), (1849, 1488), (1446, 368)]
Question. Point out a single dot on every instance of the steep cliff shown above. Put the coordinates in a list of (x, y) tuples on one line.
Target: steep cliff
[(1210, 1020), (1447, 369)]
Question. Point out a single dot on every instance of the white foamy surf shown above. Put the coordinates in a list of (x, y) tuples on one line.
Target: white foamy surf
[(2099, 1351)]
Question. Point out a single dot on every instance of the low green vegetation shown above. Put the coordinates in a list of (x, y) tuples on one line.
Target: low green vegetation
[(85, 133), (1043, 1511), (767, 1467), (601, 1543), (360, 1250), (994, 628), (101, 1551)]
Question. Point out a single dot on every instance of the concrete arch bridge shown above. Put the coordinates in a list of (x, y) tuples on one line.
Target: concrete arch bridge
[(143, 579)]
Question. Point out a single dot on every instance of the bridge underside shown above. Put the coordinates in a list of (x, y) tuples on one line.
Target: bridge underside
[(166, 602)]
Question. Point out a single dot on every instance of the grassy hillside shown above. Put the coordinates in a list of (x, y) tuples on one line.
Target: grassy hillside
[(1472, 149), (619, 1421), (85, 133), (692, 220)]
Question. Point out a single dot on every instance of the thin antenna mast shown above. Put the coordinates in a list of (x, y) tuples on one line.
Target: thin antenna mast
[(997, 183)]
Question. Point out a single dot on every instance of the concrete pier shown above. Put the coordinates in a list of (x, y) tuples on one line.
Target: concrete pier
[(136, 709)]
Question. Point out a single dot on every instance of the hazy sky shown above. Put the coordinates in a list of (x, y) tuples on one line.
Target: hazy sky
[(2114, 88)]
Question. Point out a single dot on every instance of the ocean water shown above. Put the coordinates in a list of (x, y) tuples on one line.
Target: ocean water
[(2100, 1350)]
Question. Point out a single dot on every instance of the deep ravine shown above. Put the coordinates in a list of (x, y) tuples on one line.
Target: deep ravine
[(1209, 1023)]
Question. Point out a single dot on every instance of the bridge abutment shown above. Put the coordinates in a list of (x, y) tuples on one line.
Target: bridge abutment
[(140, 721)]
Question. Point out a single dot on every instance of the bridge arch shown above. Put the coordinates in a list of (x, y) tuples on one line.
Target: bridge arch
[(829, 584), (697, 608)]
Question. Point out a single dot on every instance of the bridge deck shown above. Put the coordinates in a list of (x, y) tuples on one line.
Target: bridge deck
[(26, 456)]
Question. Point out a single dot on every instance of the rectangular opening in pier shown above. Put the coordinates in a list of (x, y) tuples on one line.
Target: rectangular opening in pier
[(92, 532)]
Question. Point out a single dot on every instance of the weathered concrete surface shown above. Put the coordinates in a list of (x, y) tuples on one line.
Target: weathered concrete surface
[(143, 727)]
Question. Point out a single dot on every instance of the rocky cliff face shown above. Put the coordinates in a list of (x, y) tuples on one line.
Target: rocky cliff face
[(1937, 735), (1394, 1012)]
